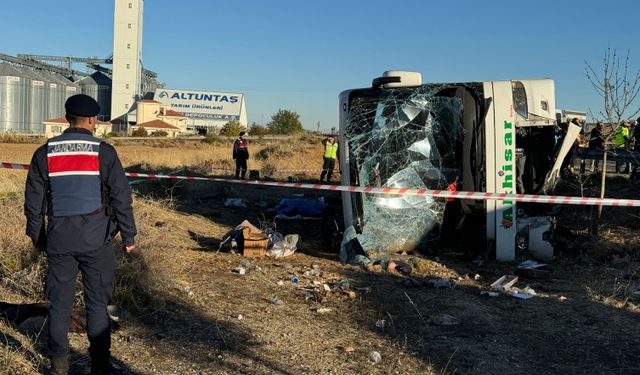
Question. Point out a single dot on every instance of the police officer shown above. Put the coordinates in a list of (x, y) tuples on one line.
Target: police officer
[(241, 154), (78, 183)]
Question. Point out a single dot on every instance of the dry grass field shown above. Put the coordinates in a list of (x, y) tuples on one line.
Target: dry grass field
[(189, 313)]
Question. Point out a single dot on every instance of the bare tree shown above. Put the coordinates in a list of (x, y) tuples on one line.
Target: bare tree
[(619, 89)]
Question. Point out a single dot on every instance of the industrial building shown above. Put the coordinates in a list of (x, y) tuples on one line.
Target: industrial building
[(29, 97), (34, 88)]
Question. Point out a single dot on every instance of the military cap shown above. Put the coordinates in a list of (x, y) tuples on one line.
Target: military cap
[(82, 105)]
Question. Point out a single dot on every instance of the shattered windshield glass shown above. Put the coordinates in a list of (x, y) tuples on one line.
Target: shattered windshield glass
[(407, 138)]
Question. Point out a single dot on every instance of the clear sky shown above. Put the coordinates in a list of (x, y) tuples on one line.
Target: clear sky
[(299, 54)]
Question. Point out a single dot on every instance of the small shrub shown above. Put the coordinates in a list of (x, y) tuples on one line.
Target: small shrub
[(265, 152), (232, 129), (258, 130), (211, 139), (140, 132), (159, 133)]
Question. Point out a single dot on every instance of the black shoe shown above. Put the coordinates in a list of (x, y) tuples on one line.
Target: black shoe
[(59, 365)]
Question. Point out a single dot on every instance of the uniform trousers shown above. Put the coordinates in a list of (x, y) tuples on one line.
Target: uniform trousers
[(98, 270)]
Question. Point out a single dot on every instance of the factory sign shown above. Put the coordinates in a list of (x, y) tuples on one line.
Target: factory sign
[(205, 105)]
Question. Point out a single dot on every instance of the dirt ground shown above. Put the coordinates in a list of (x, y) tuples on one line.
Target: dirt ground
[(190, 313)]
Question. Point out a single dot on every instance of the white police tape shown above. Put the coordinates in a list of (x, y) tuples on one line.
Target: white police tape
[(533, 198)]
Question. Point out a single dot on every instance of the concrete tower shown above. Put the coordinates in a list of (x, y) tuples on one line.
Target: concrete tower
[(127, 56)]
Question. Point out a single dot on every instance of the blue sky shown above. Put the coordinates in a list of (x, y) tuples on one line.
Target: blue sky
[(299, 55)]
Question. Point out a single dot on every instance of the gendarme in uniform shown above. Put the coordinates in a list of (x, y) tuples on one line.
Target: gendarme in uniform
[(77, 182)]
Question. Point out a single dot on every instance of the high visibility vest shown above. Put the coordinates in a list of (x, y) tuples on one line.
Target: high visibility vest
[(621, 134), (74, 174), (331, 150)]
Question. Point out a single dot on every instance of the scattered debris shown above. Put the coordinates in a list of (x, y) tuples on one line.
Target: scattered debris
[(322, 310), (521, 295), (351, 251), (375, 357), (531, 264), (349, 349), (255, 243), (239, 270), (276, 301), (489, 294), (240, 317), (380, 324), (314, 272), (529, 291), (504, 283), (295, 280), (283, 247), (441, 283), (234, 240), (399, 266)]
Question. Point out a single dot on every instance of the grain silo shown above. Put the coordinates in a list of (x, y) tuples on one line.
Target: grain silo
[(14, 111), (56, 96), (38, 104), (71, 88), (98, 86)]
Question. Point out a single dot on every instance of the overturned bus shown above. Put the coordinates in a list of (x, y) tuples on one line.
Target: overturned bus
[(492, 136)]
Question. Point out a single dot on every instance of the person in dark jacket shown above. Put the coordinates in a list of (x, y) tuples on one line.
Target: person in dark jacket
[(240, 155), (596, 142), (77, 183)]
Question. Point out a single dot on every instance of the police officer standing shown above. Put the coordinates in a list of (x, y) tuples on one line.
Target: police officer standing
[(78, 183), (241, 154)]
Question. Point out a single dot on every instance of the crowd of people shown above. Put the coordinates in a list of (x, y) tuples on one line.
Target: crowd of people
[(623, 137)]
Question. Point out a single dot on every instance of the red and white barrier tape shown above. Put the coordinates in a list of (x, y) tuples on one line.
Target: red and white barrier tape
[(14, 166), (394, 191), (279, 170)]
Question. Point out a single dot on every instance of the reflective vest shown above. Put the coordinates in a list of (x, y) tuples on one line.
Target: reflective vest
[(621, 134), (74, 174), (331, 150)]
